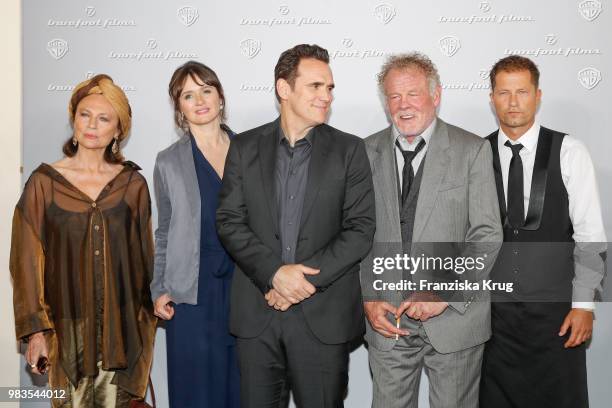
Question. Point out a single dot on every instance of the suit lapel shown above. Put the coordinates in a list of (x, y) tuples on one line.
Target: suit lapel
[(316, 170), (539, 180), (499, 182), (189, 176), (435, 167), (385, 176), (268, 144)]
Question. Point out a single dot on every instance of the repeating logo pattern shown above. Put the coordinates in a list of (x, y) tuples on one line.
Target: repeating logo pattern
[(449, 45), (385, 13), (551, 39), (58, 48), (284, 19), (187, 15), (484, 6), (589, 77), (590, 9), (250, 47)]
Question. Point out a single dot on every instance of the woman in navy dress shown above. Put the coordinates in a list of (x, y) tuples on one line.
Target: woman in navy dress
[(192, 273)]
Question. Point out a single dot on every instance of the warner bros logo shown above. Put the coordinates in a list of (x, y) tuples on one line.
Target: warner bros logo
[(188, 15), (250, 47), (449, 45), (57, 48), (384, 13), (590, 9), (589, 77)]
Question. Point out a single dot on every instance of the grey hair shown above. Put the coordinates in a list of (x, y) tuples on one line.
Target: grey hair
[(412, 60)]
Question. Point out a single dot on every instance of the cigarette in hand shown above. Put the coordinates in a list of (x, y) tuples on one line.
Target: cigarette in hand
[(397, 325)]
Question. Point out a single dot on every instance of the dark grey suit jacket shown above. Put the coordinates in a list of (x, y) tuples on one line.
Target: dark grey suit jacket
[(336, 230)]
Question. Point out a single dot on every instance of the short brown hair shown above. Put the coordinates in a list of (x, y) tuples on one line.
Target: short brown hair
[(201, 74), (412, 60), (287, 65), (102, 84), (514, 63)]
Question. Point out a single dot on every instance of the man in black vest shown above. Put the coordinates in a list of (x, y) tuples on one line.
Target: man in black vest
[(553, 234)]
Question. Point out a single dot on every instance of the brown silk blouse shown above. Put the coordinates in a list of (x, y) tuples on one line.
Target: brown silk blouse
[(81, 271)]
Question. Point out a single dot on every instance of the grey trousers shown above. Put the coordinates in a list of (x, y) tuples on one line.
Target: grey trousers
[(453, 378)]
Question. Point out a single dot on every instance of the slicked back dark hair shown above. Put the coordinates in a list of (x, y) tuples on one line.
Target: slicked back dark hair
[(287, 66)]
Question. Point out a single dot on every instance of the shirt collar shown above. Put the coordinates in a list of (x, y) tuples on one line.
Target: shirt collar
[(529, 140), (308, 138), (426, 136)]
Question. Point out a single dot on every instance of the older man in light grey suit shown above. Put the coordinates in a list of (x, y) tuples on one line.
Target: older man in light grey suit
[(433, 183)]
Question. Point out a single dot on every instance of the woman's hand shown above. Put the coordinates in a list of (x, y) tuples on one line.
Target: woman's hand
[(163, 308), (37, 348)]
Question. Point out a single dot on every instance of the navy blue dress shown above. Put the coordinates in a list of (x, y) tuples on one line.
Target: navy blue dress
[(202, 364)]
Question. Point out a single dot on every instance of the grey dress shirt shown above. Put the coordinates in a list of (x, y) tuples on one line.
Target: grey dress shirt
[(292, 165)]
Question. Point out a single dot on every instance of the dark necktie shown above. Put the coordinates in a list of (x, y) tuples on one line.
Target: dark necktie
[(407, 171), (516, 206)]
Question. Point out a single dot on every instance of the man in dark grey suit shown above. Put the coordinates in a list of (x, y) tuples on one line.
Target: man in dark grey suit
[(296, 212), (432, 184)]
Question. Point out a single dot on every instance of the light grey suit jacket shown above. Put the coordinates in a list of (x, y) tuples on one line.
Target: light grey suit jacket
[(177, 237), (457, 202)]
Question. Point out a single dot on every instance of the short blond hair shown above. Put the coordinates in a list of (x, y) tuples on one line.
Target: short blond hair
[(411, 60)]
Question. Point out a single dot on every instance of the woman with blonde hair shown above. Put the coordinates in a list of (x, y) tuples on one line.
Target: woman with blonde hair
[(82, 260)]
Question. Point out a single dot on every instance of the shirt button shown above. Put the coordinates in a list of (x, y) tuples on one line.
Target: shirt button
[(515, 271), (96, 252), (288, 248), (291, 197), (94, 205), (290, 222), (515, 232), (97, 227)]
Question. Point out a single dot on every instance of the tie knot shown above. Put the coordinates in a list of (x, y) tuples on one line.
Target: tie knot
[(516, 148), (409, 155)]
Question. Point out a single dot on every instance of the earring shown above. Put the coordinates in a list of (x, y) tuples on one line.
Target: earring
[(74, 141), (115, 148), (182, 118)]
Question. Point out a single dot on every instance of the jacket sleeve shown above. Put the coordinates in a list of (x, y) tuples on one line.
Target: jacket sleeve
[(164, 213), (253, 257), (27, 262), (353, 242), (484, 236)]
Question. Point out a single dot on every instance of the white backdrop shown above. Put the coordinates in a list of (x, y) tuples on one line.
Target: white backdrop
[(140, 43)]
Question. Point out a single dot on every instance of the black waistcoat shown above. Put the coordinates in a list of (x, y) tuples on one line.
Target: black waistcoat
[(538, 257)]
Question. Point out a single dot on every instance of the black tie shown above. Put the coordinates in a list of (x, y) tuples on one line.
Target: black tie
[(407, 171), (516, 206)]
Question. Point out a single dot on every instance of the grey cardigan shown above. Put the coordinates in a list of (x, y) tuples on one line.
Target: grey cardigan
[(177, 237)]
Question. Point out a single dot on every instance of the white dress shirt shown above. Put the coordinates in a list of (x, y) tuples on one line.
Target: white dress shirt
[(578, 176), (399, 157)]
